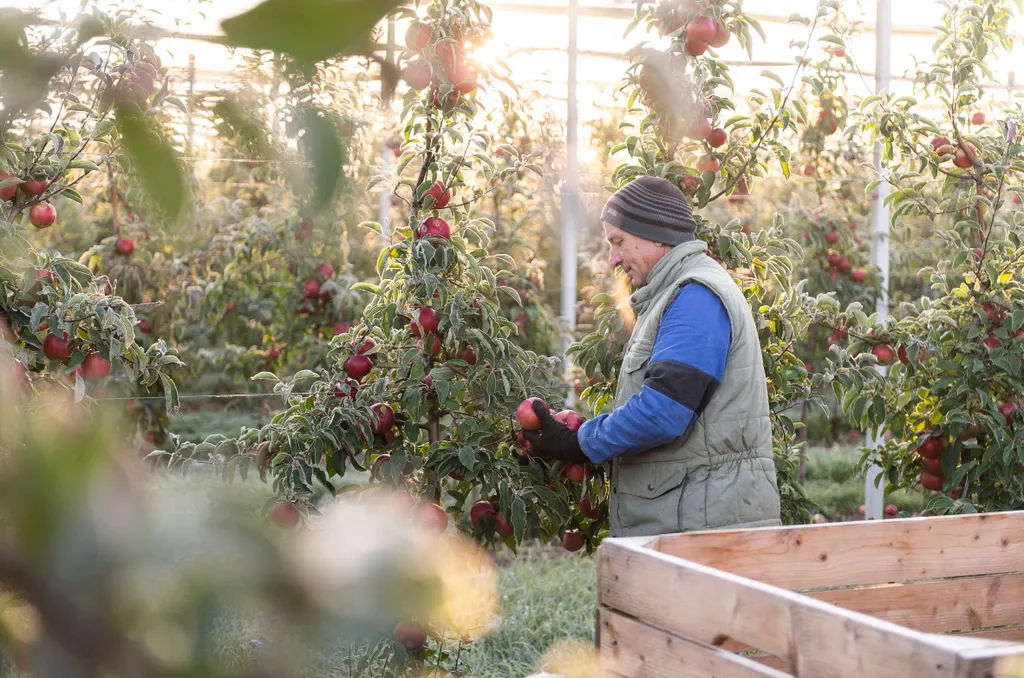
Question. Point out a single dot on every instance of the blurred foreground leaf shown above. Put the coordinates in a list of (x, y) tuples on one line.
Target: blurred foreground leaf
[(309, 30), (154, 161)]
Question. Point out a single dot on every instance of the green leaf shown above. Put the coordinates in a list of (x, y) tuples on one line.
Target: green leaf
[(519, 518), (265, 376), (324, 145), (87, 165), (72, 194), (154, 161), (309, 30)]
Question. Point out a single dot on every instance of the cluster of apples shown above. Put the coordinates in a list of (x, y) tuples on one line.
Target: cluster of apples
[(572, 540), (41, 215), (440, 58)]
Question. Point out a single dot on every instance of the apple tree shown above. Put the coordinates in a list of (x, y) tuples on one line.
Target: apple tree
[(949, 402)]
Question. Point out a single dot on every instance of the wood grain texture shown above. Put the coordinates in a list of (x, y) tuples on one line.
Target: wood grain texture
[(811, 637), (938, 605), (638, 650), (864, 552)]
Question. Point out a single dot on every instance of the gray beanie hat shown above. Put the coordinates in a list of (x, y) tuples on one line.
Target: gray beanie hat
[(652, 208)]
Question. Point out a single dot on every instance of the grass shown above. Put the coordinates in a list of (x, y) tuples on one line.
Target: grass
[(838, 490), (543, 601)]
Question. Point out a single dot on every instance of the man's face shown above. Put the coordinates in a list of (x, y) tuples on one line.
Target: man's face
[(634, 255)]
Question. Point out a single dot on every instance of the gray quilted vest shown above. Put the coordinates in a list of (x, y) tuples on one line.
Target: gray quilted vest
[(721, 472)]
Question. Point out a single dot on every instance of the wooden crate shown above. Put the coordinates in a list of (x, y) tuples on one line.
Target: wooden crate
[(922, 597)]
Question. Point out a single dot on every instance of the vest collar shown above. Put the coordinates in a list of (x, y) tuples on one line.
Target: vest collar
[(665, 272)]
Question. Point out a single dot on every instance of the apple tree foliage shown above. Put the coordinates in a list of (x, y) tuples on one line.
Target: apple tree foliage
[(58, 320), (421, 393), (949, 401)]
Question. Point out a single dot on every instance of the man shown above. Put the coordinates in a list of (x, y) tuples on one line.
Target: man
[(689, 440)]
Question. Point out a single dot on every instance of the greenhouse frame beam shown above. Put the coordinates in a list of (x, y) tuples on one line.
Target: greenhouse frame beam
[(874, 484)]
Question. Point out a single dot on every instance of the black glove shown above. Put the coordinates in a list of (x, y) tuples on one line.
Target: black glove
[(554, 440)]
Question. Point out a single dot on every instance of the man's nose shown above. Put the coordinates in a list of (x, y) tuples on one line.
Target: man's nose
[(614, 261)]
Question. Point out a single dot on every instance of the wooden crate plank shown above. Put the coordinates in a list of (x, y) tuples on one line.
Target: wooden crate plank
[(938, 605), (863, 552), (638, 650), (711, 606), (1009, 634)]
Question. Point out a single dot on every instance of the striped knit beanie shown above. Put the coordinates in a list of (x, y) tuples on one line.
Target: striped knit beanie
[(652, 208)]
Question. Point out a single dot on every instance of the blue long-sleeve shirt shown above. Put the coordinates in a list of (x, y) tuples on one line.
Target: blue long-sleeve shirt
[(686, 366)]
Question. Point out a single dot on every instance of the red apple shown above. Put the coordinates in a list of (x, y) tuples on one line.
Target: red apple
[(426, 322), (941, 142), (55, 348), (144, 326), (708, 163), (933, 466), (570, 418), (8, 192), (410, 635), (433, 517), (858, 276), (695, 47), (464, 79), (978, 119), (1007, 409), (891, 510), (699, 129), (284, 514), (366, 346), (417, 74), (833, 258), (468, 355), (528, 419), (690, 183), (481, 509), (418, 35), (326, 270), (572, 540), (587, 508), (810, 170), (449, 102), (844, 265), (42, 215), (992, 341), (95, 367), (963, 159), (448, 54), (722, 36), (34, 186), (341, 327), (385, 418), (994, 314), (838, 52), (358, 366), (523, 442), (502, 526), (862, 510), (311, 289), (884, 354), (575, 473), (440, 194), (434, 226), (932, 448), (273, 353), (703, 29), (931, 482), (435, 345), (717, 137), (832, 237), (400, 500)]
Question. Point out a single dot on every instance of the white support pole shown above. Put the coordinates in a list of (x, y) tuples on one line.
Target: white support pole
[(570, 202), (874, 497), (384, 205)]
